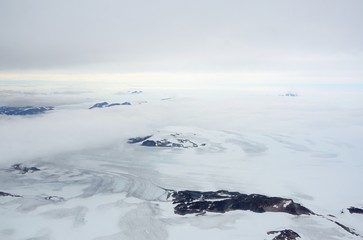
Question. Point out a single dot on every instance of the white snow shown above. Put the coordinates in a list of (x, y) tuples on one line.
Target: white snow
[(307, 149)]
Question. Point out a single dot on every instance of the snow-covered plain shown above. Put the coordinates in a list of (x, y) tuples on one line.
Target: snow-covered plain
[(92, 184)]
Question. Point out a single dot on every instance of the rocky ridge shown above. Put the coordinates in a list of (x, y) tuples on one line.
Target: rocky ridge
[(190, 202), (23, 169), (175, 140), (106, 104), (286, 234), (22, 111)]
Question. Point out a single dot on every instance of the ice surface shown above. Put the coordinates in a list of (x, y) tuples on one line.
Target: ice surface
[(93, 184)]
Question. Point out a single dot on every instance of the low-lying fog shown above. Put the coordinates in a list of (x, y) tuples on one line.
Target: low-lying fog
[(303, 143)]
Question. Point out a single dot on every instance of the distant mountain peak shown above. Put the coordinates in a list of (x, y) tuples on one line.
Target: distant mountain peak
[(106, 104), (27, 110)]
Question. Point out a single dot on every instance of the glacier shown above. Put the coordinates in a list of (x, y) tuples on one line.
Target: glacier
[(79, 174)]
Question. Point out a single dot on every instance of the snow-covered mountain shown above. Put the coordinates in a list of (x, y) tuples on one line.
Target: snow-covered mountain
[(106, 104), (28, 110)]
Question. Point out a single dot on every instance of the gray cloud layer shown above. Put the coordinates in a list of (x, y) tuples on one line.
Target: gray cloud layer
[(263, 35)]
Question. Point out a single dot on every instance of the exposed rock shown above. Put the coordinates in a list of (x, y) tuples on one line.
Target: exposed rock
[(161, 143), (54, 198), (113, 104), (135, 92), (190, 202), (355, 210), (125, 103), (4, 194), (99, 105), (106, 104), (181, 143), (149, 143), (187, 143), (23, 169), (138, 139), (28, 110), (287, 234), (173, 140), (350, 230)]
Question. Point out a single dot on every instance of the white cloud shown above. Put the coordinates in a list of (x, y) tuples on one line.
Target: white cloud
[(321, 39)]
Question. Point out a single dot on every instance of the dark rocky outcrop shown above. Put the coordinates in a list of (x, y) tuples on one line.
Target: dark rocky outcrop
[(287, 234), (23, 169), (99, 105), (348, 229), (197, 202), (113, 104), (160, 143), (28, 110), (149, 143), (177, 143), (181, 143), (138, 139), (4, 194), (190, 202), (355, 210), (106, 104), (135, 92), (186, 141), (54, 198)]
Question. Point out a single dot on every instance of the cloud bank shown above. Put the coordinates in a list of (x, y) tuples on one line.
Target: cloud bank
[(314, 40)]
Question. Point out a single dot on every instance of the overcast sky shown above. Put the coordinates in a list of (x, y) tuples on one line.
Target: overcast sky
[(321, 40)]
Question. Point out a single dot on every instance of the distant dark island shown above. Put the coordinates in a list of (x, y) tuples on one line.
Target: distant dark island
[(106, 104), (28, 110), (135, 92), (290, 94)]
